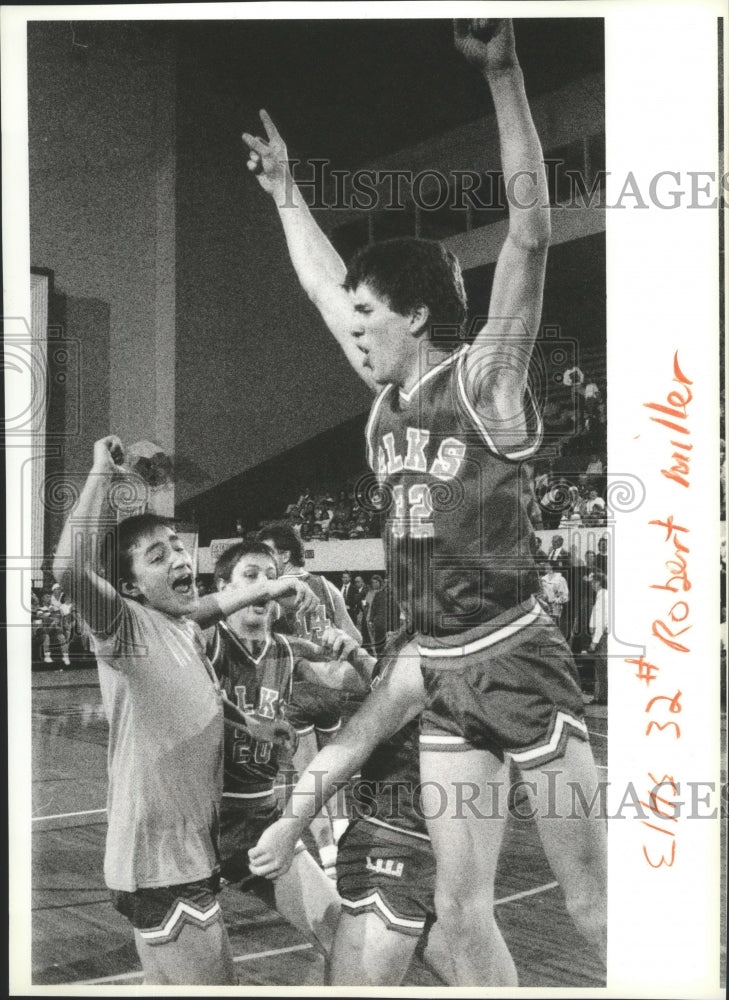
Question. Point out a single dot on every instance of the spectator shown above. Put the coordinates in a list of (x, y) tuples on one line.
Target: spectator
[(337, 527), (347, 591), (53, 636), (558, 556), (555, 594), (593, 509), (343, 507), (358, 598), (584, 595), (599, 628), (322, 519), (601, 559), (538, 553), (377, 614), (355, 529)]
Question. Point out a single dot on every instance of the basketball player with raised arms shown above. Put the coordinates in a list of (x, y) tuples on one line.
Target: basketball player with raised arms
[(134, 587), (448, 435)]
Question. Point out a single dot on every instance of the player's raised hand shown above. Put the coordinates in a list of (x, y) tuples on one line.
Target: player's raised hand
[(108, 454), (486, 42), (294, 594), (267, 158)]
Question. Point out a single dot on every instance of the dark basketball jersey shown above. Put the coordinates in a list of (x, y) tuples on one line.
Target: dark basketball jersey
[(457, 531), (260, 688), (312, 625), (389, 791)]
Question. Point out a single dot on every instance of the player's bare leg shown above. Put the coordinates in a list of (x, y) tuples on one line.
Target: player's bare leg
[(467, 851), (321, 829), (198, 957), (573, 833), (309, 900), (437, 955), (368, 953)]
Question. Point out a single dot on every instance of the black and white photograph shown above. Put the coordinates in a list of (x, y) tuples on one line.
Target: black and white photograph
[(365, 478)]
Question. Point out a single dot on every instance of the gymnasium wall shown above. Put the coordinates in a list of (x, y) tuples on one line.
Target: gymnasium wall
[(101, 112)]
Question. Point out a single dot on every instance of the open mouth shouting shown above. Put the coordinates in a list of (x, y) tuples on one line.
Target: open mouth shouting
[(184, 585)]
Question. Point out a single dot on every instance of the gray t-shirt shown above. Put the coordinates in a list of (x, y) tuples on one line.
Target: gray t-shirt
[(164, 707)]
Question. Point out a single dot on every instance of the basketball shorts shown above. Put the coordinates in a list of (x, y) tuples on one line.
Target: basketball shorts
[(159, 914), (242, 821), (510, 687), (383, 871), (314, 707)]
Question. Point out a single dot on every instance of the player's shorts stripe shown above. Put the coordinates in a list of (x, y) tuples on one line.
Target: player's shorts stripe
[(248, 795), (181, 914), (447, 740), (306, 730), (375, 903), (397, 829), (562, 720), (505, 632)]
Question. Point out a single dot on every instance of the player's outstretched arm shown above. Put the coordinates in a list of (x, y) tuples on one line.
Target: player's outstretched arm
[(288, 591), (497, 363), (77, 558), (337, 661), (392, 704), (318, 266)]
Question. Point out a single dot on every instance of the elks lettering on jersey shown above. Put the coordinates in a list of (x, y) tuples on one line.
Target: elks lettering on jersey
[(444, 466), (385, 866), (267, 702)]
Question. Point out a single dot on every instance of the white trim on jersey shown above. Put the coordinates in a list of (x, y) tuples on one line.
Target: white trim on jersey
[(562, 720), (371, 457), (397, 829), (243, 647), (375, 900), (447, 652), (407, 396), (524, 452)]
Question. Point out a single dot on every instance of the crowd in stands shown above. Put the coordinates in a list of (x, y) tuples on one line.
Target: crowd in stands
[(318, 515), (574, 590)]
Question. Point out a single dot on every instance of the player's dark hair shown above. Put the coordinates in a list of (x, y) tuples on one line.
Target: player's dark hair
[(410, 273), (116, 550), (231, 557), (286, 539)]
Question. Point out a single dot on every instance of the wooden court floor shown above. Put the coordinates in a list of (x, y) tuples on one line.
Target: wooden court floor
[(77, 938)]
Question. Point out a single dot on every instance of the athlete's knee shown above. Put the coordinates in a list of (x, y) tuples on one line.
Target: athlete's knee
[(464, 914)]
